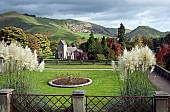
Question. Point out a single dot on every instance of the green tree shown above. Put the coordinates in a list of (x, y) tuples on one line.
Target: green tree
[(104, 46), (91, 46), (121, 35), (138, 40), (98, 48), (100, 57), (13, 34), (44, 44), (111, 54)]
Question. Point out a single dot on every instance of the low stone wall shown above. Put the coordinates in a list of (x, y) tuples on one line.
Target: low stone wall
[(162, 71)]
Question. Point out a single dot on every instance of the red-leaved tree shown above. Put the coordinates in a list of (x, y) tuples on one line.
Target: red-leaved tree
[(109, 42), (163, 50)]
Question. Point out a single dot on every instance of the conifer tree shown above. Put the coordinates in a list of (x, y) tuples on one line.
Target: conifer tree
[(121, 35), (104, 46), (91, 46)]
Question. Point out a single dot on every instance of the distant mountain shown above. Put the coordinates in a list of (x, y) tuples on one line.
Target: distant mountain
[(146, 31), (68, 29)]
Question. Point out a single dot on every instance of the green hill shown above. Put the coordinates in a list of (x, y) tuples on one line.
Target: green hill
[(146, 31), (68, 29)]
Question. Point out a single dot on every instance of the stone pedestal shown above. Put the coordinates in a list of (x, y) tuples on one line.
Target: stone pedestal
[(161, 101), (5, 100), (78, 100)]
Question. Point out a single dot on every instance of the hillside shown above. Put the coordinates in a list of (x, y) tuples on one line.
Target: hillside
[(65, 29), (115, 30), (68, 29), (146, 31)]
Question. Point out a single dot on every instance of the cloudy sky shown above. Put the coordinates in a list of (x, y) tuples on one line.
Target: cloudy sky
[(108, 13)]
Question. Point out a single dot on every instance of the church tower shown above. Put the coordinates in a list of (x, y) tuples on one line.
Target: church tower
[(62, 49)]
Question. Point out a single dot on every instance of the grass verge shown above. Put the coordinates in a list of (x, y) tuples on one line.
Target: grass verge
[(104, 82)]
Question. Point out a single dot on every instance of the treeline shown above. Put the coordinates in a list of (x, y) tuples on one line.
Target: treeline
[(95, 48), (37, 42)]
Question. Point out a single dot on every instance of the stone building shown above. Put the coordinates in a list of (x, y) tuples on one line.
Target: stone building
[(64, 52)]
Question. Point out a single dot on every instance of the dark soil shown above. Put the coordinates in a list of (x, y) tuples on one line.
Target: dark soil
[(70, 81)]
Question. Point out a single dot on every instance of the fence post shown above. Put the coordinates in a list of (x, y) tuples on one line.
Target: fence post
[(5, 100), (78, 100), (81, 62), (57, 61), (161, 101), (106, 62)]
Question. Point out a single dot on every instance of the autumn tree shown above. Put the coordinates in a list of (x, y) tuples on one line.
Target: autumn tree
[(109, 42), (148, 42), (163, 50), (117, 48), (9, 34), (138, 40), (53, 46), (32, 43), (44, 44), (121, 35)]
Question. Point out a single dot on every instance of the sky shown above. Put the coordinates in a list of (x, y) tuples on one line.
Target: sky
[(108, 13)]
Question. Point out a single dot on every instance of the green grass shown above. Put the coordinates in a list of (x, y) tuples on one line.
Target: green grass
[(79, 66), (104, 82)]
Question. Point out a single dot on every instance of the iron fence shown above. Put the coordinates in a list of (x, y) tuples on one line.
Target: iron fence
[(77, 62), (119, 104), (41, 103)]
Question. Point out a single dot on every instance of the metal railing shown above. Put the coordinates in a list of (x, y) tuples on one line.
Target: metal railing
[(119, 104), (77, 62), (41, 103)]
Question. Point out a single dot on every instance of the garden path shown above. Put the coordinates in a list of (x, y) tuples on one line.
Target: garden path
[(160, 82), (78, 69)]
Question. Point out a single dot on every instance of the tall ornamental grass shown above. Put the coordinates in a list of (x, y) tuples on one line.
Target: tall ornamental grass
[(135, 67), (16, 64)]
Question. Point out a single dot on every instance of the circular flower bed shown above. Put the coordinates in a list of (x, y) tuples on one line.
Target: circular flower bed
[(70, 82)]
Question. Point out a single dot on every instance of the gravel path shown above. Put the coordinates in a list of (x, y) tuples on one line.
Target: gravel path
[(77, 69)]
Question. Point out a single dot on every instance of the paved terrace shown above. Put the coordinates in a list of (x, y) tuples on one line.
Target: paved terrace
[(160, 82)]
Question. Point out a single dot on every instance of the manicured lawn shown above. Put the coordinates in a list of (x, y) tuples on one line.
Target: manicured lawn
[(78, 66), (104, 82)]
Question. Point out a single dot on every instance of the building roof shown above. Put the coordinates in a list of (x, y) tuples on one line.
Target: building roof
[(71, 49), (63, 42), (79, 50)]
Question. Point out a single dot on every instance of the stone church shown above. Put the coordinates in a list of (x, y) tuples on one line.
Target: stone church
[(64, 52)]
